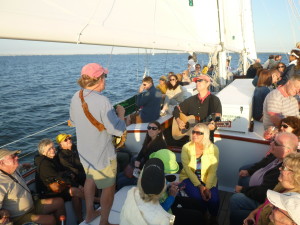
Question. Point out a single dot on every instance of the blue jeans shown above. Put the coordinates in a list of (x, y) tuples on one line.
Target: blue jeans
[(240, 207), (212, 205)]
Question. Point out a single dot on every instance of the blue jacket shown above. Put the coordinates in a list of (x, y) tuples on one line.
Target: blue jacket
[(150, 102)]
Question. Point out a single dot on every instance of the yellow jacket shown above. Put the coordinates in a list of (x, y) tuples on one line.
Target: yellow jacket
[(162, 88), (209, 165)]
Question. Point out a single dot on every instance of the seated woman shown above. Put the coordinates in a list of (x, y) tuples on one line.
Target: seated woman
[(69, 158), (288, 182), (49, 170), (185, 78), (174, 94), (200, 159), (153, 142), (261, 91), (142, 202), (281, 67), (162, 86)]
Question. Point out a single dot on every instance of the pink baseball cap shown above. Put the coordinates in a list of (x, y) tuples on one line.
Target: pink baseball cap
[(93, 70), (203, 77)]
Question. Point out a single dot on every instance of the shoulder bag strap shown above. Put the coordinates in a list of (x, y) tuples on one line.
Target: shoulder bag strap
[(88, 115), (15, 180)]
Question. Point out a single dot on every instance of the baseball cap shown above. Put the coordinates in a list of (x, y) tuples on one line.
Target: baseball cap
[(203, 77), (5, 152), (168, 158), (153, 177), (62, 137), (289, 201), (93, 70)]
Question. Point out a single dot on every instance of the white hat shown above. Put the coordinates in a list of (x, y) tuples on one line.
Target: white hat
[(289, 202)]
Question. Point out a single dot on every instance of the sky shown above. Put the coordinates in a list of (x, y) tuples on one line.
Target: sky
[(276, 29)]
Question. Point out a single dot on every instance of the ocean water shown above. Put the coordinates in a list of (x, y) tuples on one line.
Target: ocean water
[(36, 90)]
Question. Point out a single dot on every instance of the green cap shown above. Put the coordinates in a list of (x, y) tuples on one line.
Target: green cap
[(168, 158)]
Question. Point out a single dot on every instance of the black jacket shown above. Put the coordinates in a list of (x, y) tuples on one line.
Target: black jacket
[(70, 160), (270, 179)]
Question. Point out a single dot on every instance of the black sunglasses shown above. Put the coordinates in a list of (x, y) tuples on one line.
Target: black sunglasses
[(197, 132), (284, 126), (152, 128), (200, 80), (68, 138), (105, 75)]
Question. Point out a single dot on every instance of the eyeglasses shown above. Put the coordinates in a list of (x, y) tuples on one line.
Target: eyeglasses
[(276, 208), (197, 132), (172, 79), (284, 168), (284, 126), (200, 80), (278, 145), (67, 139), (104, 75), (152, 128)]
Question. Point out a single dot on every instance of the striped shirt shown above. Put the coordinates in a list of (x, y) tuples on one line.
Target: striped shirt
[(276, 102)]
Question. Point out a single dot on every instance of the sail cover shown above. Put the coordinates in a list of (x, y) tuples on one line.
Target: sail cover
[(185, 25)]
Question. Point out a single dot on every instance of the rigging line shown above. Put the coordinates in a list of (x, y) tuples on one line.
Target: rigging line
[(34, 134), (110, 57), (291, 22), (166, 62), (85, 26), (137, 69)]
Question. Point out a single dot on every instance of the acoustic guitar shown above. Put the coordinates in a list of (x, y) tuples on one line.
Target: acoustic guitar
[(190, 122)]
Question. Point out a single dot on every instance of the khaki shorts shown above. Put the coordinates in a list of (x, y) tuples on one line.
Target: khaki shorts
[(103, 178), (37, 210)]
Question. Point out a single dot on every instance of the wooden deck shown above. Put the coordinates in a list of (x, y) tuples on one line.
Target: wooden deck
[(224, 208)]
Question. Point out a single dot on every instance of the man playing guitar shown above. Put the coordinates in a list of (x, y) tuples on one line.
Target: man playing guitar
[(200, 105)]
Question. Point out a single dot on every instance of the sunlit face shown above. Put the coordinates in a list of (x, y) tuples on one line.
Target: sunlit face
[(10, 162), (202, 85), (286, 177), (197, 135), (278, 149), (66, 144), (280, 217), (292, 58), (275, 77), (292, 87), (162, 82), (197, 68), (49, 151), (284, 127), (280, 67), (147, 85), (102, 83), (153, 130), (173, 80)]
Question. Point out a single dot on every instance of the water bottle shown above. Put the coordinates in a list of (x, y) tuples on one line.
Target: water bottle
[(62, 218)]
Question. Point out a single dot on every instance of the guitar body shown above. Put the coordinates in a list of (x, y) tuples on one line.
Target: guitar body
[(190, 122)]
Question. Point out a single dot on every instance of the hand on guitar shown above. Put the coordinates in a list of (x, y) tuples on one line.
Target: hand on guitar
[(180, 123)]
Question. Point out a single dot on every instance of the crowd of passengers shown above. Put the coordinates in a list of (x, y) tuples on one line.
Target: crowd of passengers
[(267, 192)]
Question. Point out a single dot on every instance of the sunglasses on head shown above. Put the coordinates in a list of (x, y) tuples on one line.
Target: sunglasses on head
[(67, 139), (152, 128), (284, 126), (197, 132)]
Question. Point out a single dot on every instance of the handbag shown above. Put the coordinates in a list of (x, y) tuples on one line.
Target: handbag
[(58, 186)]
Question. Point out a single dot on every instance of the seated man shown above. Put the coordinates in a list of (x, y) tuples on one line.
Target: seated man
[(286, 207), (69, 158), (149, 100), (281, 102), (16, 198), (262, 176)]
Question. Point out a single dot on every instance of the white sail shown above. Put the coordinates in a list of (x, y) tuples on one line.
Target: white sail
[(157, 24)]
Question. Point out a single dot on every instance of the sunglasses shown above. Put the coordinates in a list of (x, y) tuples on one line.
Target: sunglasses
[(197, 132), (104, 75), (152, 128), (14, 155), (284, 126), (284, 168), (67, 139), (280, 67), (198, 67), (276, 208), (200, 80), (172, 79)]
